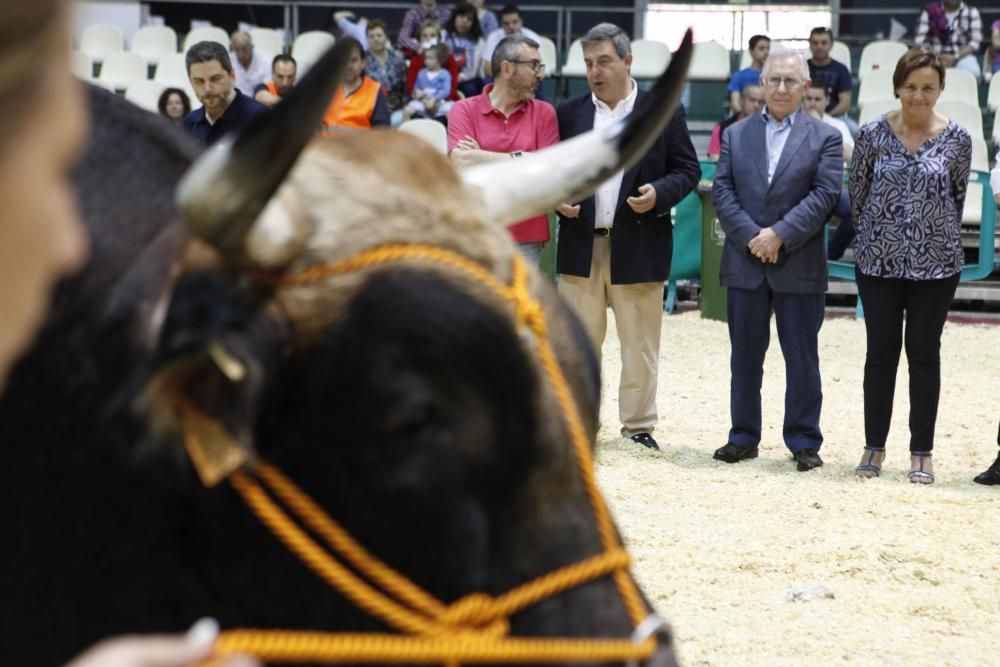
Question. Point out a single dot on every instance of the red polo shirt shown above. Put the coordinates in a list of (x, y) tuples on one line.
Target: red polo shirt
[(530, 127)]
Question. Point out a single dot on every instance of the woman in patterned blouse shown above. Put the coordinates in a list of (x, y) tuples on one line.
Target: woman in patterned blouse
[(386, 65), (909, 174)]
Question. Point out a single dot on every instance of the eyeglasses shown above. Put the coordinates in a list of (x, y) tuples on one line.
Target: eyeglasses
[(776, 81), (535, 65)]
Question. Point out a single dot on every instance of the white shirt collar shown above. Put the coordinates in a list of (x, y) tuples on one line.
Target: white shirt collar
[(624, 106)]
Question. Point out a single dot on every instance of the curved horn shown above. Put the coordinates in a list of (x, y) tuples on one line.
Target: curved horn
[(518, 189), (225, 190)]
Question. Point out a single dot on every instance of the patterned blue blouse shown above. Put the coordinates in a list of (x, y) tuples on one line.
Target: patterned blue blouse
[(908, 208)]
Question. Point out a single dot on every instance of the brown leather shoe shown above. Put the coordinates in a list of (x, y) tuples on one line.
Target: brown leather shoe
[(731, 453)]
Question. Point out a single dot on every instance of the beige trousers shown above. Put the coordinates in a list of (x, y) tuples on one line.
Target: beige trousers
[(638, 310)]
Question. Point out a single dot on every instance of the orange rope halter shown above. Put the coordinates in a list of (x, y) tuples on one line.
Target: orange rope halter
[(473, 629)]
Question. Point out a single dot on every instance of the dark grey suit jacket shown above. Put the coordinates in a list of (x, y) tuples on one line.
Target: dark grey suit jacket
[(806, 185)]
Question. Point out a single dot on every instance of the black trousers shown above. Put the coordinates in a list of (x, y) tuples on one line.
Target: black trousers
[(925, 303)]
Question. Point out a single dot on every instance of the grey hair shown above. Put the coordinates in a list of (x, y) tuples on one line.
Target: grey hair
[(204, 52), (507, 50), (786, 55), (608, 32)]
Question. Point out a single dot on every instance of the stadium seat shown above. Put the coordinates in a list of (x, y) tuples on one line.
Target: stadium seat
[(842, 54), (206, 35), (965, 114), (547, 49), (311, 45), (145, 94), (122, 69), (880, 56), (960, 85), (82, 66), (268, 41), (709, 62), (972, 213), (993, 96), (152, 42), (101, 39), (302, 66), (876, 86), (172, 73), (876, 108), (429, 130), (575, 67), (103, 84), (649, 58)]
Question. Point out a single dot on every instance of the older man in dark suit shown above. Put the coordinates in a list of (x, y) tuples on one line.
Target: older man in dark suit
[(779, 176), (615, 247)]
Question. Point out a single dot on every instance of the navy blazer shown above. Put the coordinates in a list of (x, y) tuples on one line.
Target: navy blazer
[(806, 186), (641, 245)]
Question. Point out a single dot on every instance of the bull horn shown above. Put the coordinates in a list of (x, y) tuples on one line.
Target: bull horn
[(517, 189), (226, 189)]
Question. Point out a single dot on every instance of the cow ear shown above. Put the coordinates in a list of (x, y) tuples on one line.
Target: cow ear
[(206, 402)]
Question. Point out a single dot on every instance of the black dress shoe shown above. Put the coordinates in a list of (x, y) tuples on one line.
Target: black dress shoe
[(646, 440), (807, 459), (731, 453), (992, 475)]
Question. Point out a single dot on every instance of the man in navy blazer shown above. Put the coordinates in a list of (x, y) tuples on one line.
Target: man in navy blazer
[(615, 247), (779, 176)]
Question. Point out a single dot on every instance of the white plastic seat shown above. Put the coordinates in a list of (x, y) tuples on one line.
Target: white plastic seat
[(100, 40), (960, 85), (302, 65), (649, 58), (709, 62), (267, 40), (972, 212), (311, 45), (429, 130), (876, 86), (152, 42), (82, 66), (876, 108), (993, 95), (172, 73), (212, 34), (123, 69), (103, 84), (967, 115), (547, 49), (145, 94), (880, 56), (575, 66)]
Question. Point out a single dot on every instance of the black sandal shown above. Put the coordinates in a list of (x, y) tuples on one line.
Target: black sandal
[(869, 466), (920, 476)]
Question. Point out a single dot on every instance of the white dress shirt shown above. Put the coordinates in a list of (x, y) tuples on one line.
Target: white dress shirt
[(606, 197), (248, 78)]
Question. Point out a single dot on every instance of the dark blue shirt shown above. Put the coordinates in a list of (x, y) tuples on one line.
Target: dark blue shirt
[(837, 77), (235, 118)]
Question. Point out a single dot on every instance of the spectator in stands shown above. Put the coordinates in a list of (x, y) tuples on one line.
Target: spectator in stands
[(224, 107), (251, 66), (430, 94), (751, 102), (908, 180), (993, 52), (836, 74), (426, 10), (487, 19), (615, 247), (351, 26), (504, 122), (954, 31), (815, 103), (359, 104), (174, 103), (511, 24), (463, 35), (991, 477), (760, 47), (386, 65), (283, 72)]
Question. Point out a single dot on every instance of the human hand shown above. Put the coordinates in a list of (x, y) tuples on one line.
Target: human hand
[(645, 201), (571, 211), (467, 143), (160, 650), (339, 16), (765, 246), (947, 59)]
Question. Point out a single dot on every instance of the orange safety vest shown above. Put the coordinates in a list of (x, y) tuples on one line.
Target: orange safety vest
[(355, 110), (273, 89)]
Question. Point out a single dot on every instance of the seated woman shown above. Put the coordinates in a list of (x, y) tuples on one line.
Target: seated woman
[(430, 34)]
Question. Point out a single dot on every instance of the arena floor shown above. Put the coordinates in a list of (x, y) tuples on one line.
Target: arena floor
[(914, 572)]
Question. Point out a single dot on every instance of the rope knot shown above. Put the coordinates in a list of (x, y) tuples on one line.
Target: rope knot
[(476, 611), (529, 312)]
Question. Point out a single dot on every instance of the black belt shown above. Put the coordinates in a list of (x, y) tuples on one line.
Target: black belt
[(602, 231)]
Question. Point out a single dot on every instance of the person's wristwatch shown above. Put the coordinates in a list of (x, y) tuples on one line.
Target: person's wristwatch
[(517, 154)]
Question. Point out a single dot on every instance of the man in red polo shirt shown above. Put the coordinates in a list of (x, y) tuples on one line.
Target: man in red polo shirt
[(505, 122)]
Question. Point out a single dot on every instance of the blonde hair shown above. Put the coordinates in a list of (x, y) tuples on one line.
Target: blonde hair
[(31, 35)]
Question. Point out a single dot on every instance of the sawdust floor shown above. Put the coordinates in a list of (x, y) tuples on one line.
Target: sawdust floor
[(914, 571)]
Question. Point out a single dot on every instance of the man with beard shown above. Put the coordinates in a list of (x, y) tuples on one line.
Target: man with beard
[(359, 104), (224, 108), (283, 72), (504, 122)]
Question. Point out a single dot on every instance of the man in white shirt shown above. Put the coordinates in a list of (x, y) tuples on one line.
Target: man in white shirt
[(511, 23), (252, 67)]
